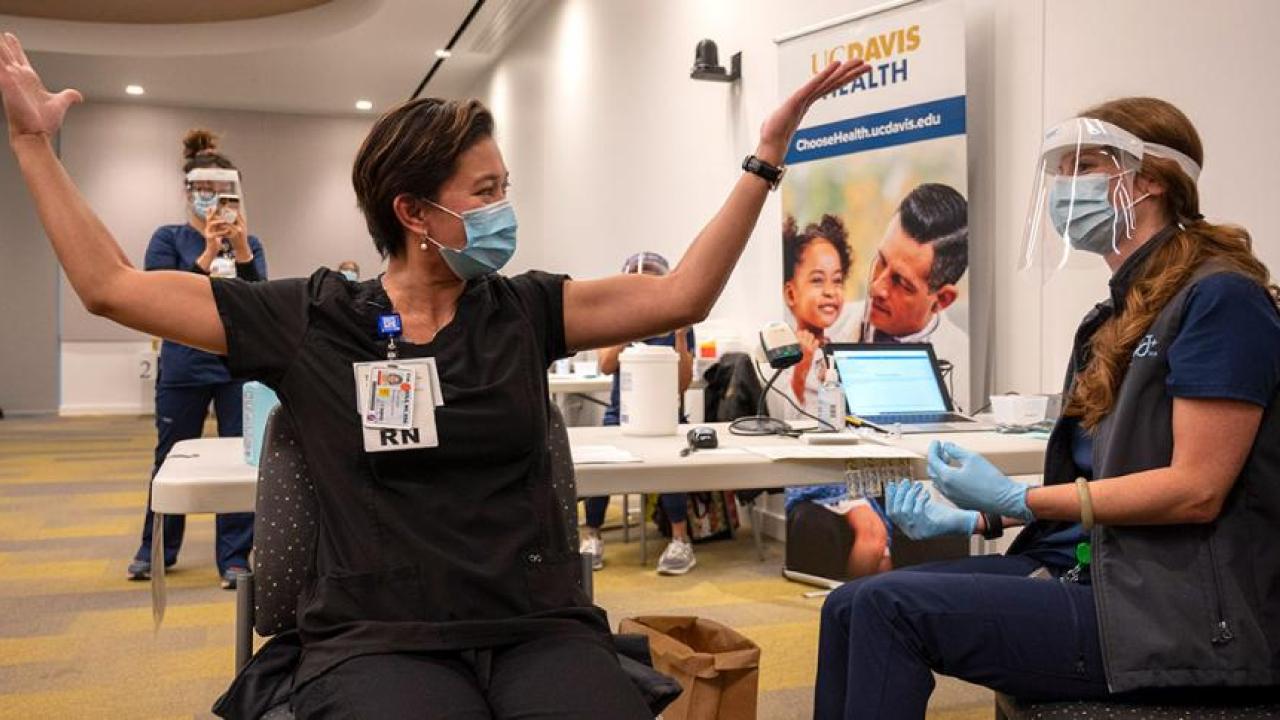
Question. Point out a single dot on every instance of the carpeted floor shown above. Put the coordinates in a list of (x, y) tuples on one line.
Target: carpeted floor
[(76, 639)]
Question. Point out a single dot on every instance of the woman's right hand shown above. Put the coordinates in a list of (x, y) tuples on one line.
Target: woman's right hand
[(910, 506), (32, 110), (212, 244)]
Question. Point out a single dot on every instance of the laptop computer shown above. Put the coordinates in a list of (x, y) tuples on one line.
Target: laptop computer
[(898, 384)]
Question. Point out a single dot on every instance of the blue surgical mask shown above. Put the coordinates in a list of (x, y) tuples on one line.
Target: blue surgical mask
[(201, 206), (1082, 211), (350, 275), (491, 240)]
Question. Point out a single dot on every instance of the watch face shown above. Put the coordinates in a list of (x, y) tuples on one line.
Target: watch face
[(773, 175)]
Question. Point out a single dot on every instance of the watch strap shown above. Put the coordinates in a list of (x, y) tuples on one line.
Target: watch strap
[(994, 526), (771, 174)]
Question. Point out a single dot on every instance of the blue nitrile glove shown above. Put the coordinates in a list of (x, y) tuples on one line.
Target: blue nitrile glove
[(972, 482), (912, 508)]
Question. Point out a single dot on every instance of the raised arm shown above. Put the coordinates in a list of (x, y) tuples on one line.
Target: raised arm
[(174, 305), (616, 309)]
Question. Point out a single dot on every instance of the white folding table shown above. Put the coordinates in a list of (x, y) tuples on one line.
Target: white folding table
[(210, 474)]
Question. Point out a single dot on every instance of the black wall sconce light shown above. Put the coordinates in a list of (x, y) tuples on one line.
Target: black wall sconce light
[(706, 64)]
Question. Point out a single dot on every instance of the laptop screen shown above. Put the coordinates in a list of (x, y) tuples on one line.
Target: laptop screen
[(883, 380)]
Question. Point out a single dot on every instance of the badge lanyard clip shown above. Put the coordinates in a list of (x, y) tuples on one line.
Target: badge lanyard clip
[(390, 327)]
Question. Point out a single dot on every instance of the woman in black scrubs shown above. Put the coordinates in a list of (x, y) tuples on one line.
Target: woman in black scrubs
[(430, 588)]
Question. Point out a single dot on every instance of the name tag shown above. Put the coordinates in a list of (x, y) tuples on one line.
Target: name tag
[(222, 267), (397, 402)]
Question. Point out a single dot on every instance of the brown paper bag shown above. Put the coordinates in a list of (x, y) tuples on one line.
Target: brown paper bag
[(718, 668)]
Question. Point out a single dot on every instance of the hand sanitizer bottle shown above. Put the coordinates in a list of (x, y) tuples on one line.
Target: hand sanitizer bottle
[(831, 401)]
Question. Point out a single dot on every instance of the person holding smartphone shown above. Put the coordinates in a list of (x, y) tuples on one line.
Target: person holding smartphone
[(215, 241)]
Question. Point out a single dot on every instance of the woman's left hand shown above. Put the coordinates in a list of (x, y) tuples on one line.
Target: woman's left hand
[(775, 134), (974, 483)]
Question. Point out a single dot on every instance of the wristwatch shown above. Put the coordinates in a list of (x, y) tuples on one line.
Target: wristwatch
[(772, 174), (995, 526)]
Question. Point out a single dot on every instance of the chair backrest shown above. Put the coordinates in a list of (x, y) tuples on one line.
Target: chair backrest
[(733, 388), (284, 528), (563, 480)]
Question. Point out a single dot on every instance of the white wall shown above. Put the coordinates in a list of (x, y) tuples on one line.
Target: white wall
[(28, 301), (613, 148), (127, 160)]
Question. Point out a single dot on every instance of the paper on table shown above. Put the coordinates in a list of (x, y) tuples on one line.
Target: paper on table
[(601, 455), (831, 452), (723, 451)]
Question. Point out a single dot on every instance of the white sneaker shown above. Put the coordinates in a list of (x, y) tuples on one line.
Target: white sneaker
[(593, 544), (677, 559)]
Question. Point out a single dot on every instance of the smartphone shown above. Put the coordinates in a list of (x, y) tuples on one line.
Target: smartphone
[(228, 208)]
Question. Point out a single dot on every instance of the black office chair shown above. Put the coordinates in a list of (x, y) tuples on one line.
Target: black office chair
[(284, 540), (1206, 703)]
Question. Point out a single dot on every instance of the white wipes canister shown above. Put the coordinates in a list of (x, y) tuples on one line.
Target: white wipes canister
[(648, 391)]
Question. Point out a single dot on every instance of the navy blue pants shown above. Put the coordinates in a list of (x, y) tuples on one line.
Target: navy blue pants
[(180, 413), (673, 504), (980, 619)]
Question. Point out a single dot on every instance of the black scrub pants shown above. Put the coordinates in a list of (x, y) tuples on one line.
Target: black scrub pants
[(980, 619), (180, 414), (560, 678)]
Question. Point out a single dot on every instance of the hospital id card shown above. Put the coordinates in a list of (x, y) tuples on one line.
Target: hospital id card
[(426, 396), (390, 392)]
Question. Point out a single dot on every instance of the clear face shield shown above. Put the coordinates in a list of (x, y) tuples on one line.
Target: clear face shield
[(215, 189), (646, 263), (1084, 195), (1083, 198)]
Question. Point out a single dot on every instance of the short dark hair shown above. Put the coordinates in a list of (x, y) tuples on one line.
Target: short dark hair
[(794, 242), (938, 215), (413, 149)]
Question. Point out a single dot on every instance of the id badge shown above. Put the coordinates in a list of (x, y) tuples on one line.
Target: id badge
[(222, 267), (379, 399), (391, 389)]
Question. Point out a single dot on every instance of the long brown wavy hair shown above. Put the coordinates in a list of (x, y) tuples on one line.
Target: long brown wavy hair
[(1167, 270)]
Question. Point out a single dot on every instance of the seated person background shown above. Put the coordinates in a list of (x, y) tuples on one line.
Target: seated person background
[(1155, 529), (677, 558), (350, 270)]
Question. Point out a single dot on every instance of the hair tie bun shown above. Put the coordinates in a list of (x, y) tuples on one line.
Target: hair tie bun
[(199, 142)]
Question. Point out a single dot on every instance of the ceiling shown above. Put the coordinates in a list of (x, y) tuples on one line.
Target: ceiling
[(304, 56), (148, 11)]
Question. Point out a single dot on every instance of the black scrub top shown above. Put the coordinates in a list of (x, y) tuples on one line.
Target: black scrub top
[(446, 548)]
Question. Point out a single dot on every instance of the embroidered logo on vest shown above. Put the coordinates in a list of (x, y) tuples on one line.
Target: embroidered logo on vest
[(1147, 348)]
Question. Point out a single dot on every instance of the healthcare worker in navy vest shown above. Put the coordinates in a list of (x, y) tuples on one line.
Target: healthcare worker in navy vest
[(677, 558), (444, 579), (214, 242), (1150, 556)]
